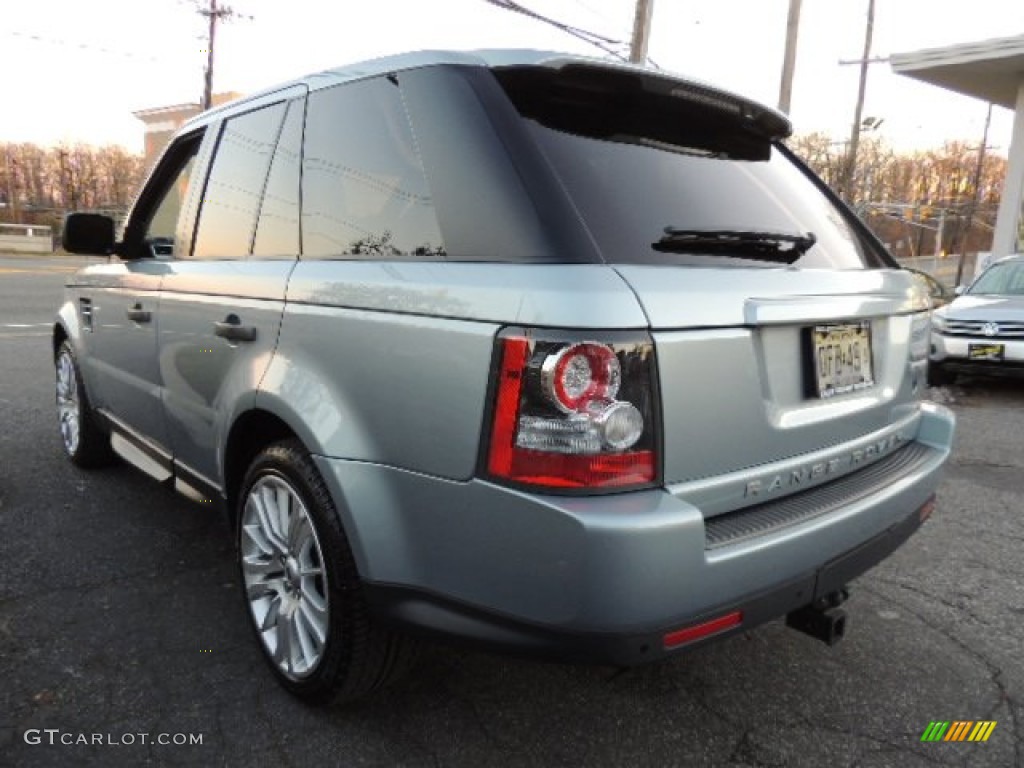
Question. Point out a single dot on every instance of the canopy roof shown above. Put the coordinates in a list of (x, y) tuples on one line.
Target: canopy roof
[(990, 70)]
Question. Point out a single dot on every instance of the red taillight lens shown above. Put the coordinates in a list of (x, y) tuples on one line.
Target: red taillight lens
[(573, 414)]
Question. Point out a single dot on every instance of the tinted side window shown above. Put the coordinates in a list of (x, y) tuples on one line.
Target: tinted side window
[(364, 194), (235, 185), (277, 232), (155, 216), (164, 222)]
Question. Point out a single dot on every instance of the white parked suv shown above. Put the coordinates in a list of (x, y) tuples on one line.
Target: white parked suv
[(982, 330)]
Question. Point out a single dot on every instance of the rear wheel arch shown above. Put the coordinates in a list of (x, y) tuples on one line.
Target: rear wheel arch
[(302, 585), (251, 432)]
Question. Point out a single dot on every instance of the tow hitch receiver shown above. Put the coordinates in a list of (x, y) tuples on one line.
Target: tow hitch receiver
[(823, 619)]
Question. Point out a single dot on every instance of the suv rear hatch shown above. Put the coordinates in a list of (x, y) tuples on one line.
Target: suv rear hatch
[(781, 325)]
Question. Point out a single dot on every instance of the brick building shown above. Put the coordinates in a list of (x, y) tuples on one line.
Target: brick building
[(162, 122)]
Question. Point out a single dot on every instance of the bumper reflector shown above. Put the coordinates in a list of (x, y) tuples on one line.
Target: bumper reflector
[(704, 629), (926, 509)]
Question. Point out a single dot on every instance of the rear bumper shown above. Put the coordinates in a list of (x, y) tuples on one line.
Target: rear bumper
[(438, 615), (604, 578)]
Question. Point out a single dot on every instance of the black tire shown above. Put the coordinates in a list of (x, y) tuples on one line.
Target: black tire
[(88, 446), (358, 656), (939, 376)]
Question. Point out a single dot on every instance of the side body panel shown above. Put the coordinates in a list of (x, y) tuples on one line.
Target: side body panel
[(398, 390), (390, 362), (118, 304)]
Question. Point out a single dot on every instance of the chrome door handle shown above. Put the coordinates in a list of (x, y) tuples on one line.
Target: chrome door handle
[(231, 328), (138, 314)]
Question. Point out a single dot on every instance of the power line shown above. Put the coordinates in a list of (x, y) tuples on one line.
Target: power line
[(595, 12), (598, 41), (82, 46)]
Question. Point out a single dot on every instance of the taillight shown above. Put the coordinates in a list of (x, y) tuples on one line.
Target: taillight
[(574, 414)]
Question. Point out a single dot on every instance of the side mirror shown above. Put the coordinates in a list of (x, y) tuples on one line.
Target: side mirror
[(88, 233), (959, 290)]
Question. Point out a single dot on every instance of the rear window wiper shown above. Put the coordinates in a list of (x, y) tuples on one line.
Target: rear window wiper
[(761, 245)]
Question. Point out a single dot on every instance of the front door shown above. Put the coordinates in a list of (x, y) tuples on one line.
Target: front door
[(119, 304)]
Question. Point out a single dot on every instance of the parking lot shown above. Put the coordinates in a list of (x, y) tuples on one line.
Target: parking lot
[(120, 615)]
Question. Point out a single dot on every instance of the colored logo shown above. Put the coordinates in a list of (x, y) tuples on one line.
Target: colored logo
[(958, 730)]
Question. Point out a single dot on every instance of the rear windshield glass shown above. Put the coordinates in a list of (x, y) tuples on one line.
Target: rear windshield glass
[(649, 171)]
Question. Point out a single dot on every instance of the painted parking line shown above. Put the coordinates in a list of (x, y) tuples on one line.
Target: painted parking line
[(24, 330), (37, 270)]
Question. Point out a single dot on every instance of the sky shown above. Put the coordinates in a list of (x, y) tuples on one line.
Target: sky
[(76, 70)]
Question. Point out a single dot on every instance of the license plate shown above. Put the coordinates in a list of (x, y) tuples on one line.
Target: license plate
[(841, 358), (985, 351)]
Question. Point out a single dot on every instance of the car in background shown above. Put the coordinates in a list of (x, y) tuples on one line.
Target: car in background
[(982, 330)]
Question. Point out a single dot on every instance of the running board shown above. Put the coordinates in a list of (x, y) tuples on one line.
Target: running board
[(139, 458), (152, 459)]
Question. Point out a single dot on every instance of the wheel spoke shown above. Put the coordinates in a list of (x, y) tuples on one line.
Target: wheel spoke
[(283, 505), (254, 533), (314, 617), (299, 532), (259, 501), (272, 618), (308, 642), (258, 590), (285, 652), (259, 566)]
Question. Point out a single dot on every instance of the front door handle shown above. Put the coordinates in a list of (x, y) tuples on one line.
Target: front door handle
[(231, 328), (138, 314)]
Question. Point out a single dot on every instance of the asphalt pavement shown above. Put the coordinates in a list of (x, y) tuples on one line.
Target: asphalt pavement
[(121, 625)]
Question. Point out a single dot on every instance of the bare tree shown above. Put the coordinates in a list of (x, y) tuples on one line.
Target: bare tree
[(904, 196), (38, 185)]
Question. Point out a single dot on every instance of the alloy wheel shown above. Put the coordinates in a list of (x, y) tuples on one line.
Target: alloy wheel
[(69, 410), (285, 579)]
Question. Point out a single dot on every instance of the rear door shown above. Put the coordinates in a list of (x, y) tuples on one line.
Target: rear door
[(221, 304)]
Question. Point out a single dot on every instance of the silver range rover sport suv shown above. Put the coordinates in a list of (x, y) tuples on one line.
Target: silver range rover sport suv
[(555, 356)]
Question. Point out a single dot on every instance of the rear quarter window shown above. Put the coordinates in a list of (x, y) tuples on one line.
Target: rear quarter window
[(364, 191)]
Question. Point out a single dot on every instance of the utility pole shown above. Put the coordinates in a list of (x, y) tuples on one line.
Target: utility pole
[(789, 59), (214, 14), (851, 159), (973, 204), (641, 31)]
